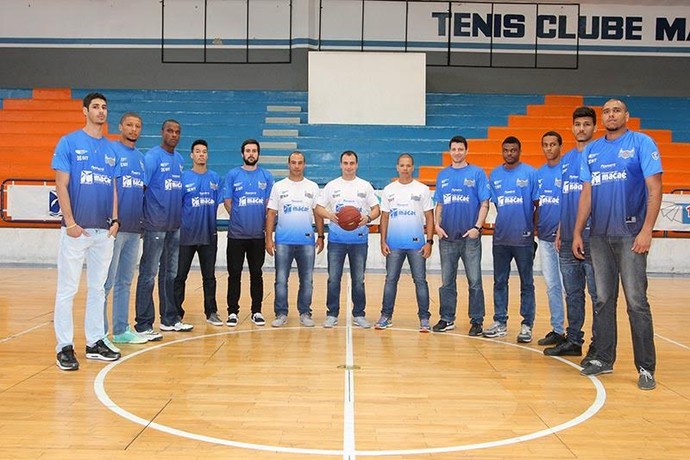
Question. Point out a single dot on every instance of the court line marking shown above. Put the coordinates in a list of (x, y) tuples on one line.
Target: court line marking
[(349, 398), (682, 345), (99, 389), (26, 331)]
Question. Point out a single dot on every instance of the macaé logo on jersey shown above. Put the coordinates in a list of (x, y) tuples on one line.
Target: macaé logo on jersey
[(522, 183), (90, 178), (250, 201), (172, 184), (132, 182), (402, 212), (599, 178), (449, 198), (202, 201), (509, 200), (626, 154), (570, 186), (548, 199), (289, 208)]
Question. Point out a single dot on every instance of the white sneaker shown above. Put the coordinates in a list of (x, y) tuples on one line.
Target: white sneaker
[(258, 319), (178, 327), (281, 320), (306, 321), (232, 320), (151, 335), (361, 321), (331, 321)]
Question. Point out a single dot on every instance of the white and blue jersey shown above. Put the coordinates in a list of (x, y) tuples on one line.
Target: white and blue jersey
[(570, 194), (550, 182), (249, 192), (514, 192), (294, 203), (460, 192), (356, 192), (163, 193), (617, 171), (130, 188), (406, 205), (201, 196), (92, 167)]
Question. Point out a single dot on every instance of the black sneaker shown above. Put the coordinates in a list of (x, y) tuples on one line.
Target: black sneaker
[(443, 326), (564, 349), (475, 330), (552, 338), (101, 352), (596, 367), (66, 359), (591, 354)]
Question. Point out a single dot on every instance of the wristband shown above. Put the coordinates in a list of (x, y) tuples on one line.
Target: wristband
[(320, 237), (478, 228), (71, 226), (430, 241)]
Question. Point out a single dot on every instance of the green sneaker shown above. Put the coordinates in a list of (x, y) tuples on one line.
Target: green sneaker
[(129, 336)]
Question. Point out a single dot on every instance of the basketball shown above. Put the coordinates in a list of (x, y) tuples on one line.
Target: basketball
[(348, 218)]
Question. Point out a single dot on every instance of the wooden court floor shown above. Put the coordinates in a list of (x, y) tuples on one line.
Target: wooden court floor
[(296, 392)]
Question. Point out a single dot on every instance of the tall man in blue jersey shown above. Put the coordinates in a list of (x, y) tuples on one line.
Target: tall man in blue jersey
[(292, 204), (246, 193), (162, 218), (515, 193), (130, 197), (347, 190), (622, 191), (462, 203), (576, 273), (85, 170), (550, 182), (202, 191), (407, 232)]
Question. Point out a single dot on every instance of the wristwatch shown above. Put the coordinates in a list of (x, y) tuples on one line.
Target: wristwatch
[(112, 221), (478, 228), (430, 241)]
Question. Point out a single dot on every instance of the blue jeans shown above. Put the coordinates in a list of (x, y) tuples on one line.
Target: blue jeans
[(613, 259), (470, 251), (576, 275), (524, 259), (394, 263), (304, 255), (357, 256), (160, 255), (120, 277), (554, 286)]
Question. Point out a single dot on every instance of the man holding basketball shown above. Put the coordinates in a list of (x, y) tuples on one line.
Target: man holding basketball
[(348, 190)]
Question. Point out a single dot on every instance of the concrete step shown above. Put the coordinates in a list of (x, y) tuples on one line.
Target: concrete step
[(273, 160), (278, 173), (284, 108), (280, 132), (279, 145), (283, 120)]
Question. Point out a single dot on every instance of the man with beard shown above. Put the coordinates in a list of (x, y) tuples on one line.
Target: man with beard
[(245, 194)]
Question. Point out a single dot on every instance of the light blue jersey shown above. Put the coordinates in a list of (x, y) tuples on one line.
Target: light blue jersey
[(249, 192), (550, 183), (356, 192), (406, 205), (294, 203), (163, 194), (200, 199), (460, 192), (514, 192), (130, 188)]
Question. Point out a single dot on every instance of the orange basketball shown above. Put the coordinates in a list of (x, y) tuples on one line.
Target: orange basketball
[(348, 218)]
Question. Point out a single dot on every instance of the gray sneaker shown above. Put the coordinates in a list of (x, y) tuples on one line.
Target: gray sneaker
[(525, 335), (646, 380), (306, 321), (214, 320), (330, 322), (596, 367), (361, 321), (281, 320), (497, 329)]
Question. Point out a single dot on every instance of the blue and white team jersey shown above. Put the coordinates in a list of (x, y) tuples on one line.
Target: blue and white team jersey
[(460, 192), (92, 167), (617, 170), (550, 181), (249, 192), (570, 194), (406, 204), (202, 194), (514, 192), (340, 192), (130, 188), (294, 203), (163, 194)]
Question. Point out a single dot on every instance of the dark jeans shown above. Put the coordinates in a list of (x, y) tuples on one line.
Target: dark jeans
[(470, 251), (524, 259), (255, 252), (207, 262), (613, 260), (576, 275)]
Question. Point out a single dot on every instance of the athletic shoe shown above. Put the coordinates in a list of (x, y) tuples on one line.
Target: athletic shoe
[(151, 335), (646, 380), (232, 320), (258, 319), (177, 327), (66, 360), (129, 336), (552, 338), (564, 349), (214, 320), (306, 321), (330, 322), (383, 322), (100, 351), (497, 329), (475, 330), (361, 321), (443, 326), (110, 345), (424, 325), (525, 335), (596, 367), (591, 354), (281, 320)]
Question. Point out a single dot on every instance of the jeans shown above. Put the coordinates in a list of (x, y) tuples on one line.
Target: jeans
[(524, 259), (97, 249), (255, 251), (394, 263), (470, 251), (613, 259), (160, 257), (576, 274), (357, 257), (120, 275), (207, 263), (304, 255), (554, 286)]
